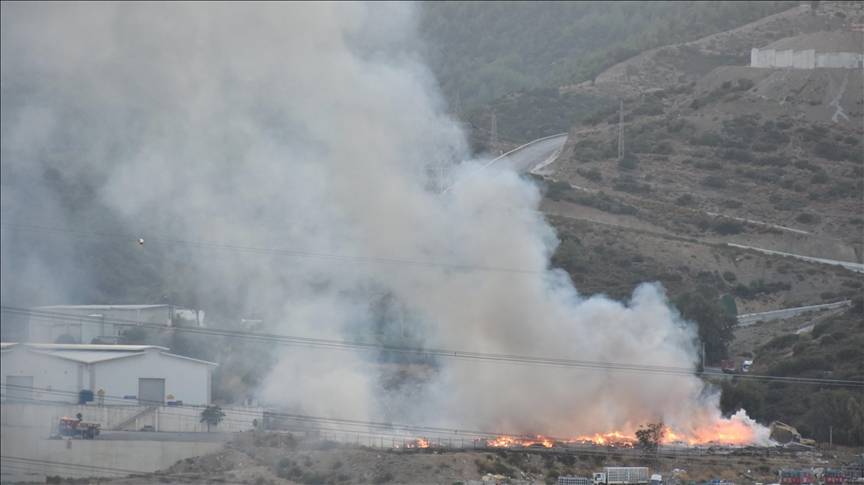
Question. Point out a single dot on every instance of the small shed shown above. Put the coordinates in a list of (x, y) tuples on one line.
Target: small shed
[(111, 374)]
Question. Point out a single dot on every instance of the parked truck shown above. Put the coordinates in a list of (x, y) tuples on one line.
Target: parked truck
[(622, 475), (796, 477), (832, 476), (76, 428)]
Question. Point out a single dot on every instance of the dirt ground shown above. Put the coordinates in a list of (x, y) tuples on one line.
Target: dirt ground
[(255, 458)]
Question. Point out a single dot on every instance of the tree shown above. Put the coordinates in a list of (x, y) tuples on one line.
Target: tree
[(714, 321), (649, 436), (212, 415), (134, 336)]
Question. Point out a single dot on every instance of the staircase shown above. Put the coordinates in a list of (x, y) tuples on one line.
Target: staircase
[(131, 420)]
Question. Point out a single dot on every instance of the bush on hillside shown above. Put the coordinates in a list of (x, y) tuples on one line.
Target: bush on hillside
[(714, 181)]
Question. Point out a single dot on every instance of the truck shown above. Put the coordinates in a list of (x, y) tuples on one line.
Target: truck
[(76, 428), (832, 476), (796, 477), (571, 480), (622, 475)]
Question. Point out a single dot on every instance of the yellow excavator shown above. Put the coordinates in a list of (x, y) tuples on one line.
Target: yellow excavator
[(787, 435)]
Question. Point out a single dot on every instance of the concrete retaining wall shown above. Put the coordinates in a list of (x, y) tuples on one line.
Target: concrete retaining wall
[(804, 59), (163, 418), (89, 458)]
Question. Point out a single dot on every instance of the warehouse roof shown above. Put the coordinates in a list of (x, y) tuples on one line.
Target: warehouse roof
[(101, 307), (93, 353)]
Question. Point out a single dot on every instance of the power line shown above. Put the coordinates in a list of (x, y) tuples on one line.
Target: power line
[(428, 352), (296, 253), (376, 430)]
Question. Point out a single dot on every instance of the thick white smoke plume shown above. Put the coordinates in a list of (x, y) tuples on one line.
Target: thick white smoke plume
[(315, 128)]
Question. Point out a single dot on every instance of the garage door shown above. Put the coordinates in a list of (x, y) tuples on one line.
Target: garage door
[(151, 391), (19, 388)]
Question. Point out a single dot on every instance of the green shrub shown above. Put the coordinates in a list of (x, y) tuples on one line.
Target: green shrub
[(729, 276), (628, 162), (590, 174), (686, 199), (558, 190), (759, 287), (382, 477), (805, 165), (714, 181), (603, 202), (709, 165), (737, 155), (727, 227), (650, 107), (761, 146), (795, 366), (819, 178), (630, 185), (709, 139), (807, 218), (781, 342), (838, 153)]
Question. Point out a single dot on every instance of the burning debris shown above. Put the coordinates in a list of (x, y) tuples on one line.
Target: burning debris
[(513, 442), (738, 430), (418, 443)]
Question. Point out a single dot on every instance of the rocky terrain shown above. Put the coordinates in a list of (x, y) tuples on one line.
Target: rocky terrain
[(255, 458)]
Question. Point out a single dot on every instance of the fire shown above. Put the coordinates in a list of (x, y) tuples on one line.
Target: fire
[(511, 442), (418, 443), (723, 432), (613, 438)]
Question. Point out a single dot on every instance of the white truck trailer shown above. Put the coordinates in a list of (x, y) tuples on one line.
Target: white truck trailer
[(622, 475)]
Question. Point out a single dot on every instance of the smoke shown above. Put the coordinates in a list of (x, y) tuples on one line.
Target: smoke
[(316, 128)]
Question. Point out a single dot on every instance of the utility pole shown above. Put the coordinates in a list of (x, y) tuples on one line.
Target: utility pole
[(493, 134), (830, 437), (621, 130), (703, 356)]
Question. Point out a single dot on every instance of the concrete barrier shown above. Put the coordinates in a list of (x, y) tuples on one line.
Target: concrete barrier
[(44, 416)]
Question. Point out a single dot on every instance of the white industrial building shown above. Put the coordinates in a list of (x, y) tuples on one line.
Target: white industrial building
[(101, 323), (837, 50), (125, 374)]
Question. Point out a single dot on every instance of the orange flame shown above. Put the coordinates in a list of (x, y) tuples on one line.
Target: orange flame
[(418, 443), (613, 438), (729, 432), (724, 432), (511, 442)]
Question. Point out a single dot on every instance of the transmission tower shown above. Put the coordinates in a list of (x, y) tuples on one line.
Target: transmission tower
[(621, 130), (493, 133)]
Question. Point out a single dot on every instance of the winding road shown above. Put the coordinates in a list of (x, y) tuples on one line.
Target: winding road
[(528, 157), (747, 319)]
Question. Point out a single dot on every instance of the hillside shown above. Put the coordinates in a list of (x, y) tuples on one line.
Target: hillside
[(716, 152), (480, 52)]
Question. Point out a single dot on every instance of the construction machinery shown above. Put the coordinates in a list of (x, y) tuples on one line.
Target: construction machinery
[(76, 428), (788, 436)]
